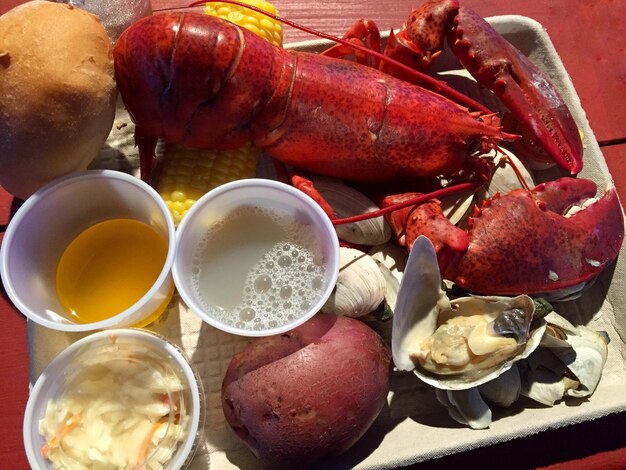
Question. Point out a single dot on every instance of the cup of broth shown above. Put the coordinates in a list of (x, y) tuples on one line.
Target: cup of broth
[(92, 250), (255, 257)]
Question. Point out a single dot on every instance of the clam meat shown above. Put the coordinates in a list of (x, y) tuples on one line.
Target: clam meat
[(462, 343)]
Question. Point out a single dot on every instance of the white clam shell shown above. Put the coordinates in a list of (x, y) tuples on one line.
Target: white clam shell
[(570, 362), (347, 202), (542, 375), (420, 292), (422, 305), (391, 259), (360, 287), (504, 390), (392, 256), (466, 407), (392, 286)]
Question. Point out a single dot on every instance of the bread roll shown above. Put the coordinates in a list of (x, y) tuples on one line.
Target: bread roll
[(58, 93)]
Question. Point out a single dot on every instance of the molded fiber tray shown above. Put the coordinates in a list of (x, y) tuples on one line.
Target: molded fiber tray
[(414, 426)]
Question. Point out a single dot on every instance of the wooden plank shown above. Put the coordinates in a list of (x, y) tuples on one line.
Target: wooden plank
[(14, 385), (13, 366)]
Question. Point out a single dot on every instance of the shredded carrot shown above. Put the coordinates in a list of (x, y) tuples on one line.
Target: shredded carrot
[(55, 440), (146, 442), (165, 398)]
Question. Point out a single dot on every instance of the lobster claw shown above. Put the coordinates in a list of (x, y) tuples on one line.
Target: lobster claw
[(522, 87), (498, 66), (524, 242)]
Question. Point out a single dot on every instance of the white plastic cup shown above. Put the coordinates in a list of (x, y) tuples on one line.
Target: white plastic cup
[(150, 351), (56, 214), (216, 206)]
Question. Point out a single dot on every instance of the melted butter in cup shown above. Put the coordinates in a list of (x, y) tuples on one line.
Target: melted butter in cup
[(89, 251)]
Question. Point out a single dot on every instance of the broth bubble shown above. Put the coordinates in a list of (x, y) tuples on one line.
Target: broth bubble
[(247, 314), (285, 291), (317, 283), (284, 261), (262, 283)]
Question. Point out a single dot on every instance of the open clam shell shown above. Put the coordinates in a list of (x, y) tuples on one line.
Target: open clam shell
[(458, 344), (569, 363)]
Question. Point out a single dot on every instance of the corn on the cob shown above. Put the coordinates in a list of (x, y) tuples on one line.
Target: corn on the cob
[(258, 23), (187, 174)]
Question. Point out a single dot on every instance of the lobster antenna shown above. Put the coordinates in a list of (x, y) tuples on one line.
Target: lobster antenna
[(409, 202), (438, 85)]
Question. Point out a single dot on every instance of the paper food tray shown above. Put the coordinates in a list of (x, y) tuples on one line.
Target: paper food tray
[(413, 427)]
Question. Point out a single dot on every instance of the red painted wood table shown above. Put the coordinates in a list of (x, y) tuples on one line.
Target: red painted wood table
[(586, 36)]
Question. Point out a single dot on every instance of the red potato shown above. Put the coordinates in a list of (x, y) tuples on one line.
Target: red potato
[(310, 392)]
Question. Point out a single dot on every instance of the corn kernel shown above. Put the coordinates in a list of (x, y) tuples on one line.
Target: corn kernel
[(178, 196), (187, 174), (266, 27)]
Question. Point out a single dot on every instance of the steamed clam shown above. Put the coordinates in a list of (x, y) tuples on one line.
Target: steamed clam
[(462, 343), (475, 334), (472, 406), (360, 287), (569, 362), (347, 202)]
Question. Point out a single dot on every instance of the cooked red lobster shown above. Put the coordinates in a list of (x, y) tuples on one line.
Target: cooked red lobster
[(322, 114), (206, 83)]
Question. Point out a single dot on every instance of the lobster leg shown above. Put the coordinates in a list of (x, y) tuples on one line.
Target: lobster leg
[(363, 32), (305, 185), (426, 219), (501, 68)]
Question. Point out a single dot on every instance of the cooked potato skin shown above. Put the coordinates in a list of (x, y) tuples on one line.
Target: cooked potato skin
[(308, 393)]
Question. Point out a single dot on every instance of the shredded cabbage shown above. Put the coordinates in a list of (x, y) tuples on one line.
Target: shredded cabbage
[(116, 414)]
